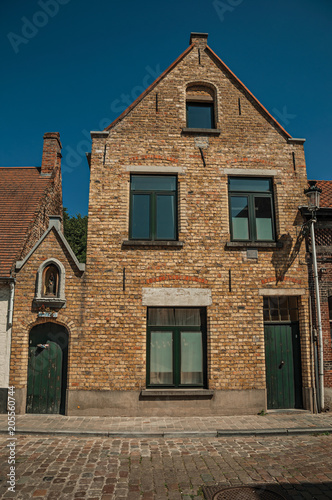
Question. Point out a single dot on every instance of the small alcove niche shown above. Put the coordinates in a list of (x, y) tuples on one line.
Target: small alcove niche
[(50, 284)]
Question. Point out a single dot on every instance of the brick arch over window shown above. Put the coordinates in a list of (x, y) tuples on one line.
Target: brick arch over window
[(201, 105), (50, 283)]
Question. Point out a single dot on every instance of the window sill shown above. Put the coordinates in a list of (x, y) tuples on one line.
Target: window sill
[(154, 243), (177, 393), (254, 244), (203, 131)]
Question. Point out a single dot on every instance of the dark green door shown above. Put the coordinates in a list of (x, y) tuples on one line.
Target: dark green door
[(283, 366), (44, 378)]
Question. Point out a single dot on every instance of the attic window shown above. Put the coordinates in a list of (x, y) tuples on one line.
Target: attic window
[(200, 107)]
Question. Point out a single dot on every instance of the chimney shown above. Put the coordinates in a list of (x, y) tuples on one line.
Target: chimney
[(198, 39), (51, 153)]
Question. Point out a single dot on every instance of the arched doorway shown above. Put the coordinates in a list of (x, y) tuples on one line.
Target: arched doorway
[(47, 369)]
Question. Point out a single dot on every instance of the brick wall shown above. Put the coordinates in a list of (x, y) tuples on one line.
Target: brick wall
[(107, 320), (147, 137)]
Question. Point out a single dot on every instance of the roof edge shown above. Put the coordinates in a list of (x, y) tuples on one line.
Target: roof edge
[(248, 92), (151, 87), (79, 265)]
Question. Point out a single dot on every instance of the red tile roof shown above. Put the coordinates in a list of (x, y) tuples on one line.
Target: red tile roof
[(326, 196), (21, 191)]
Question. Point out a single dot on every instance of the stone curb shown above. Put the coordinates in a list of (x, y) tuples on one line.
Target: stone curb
[(176, 434), (274, 432)]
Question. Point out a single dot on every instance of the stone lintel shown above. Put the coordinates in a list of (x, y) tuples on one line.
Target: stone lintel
[(176, 297), (270, 292), (154, 169), (257, 172)]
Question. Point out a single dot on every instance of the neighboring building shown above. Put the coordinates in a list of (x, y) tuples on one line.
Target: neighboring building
[(323, 237), (27, 196), (195, 295)]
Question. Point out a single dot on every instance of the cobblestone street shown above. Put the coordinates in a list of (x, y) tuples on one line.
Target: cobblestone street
[(60, 467)]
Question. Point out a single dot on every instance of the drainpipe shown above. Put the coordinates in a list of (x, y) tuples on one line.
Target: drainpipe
[(319, 317), (11, 303)]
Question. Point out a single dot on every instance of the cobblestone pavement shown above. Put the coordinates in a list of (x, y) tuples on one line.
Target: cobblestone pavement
[(167, 426), (72, 467)]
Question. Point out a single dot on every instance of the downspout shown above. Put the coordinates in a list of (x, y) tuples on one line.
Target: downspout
[(319, 317), (313, 360), (11, 304)]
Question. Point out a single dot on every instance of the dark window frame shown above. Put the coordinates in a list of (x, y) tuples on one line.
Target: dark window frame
[(201, 104), (281, 309), (176, 350), (153, 193), (251, 195)]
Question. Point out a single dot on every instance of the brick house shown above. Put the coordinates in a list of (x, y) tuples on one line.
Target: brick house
[(323, 237), (194, 298), (27, 196)]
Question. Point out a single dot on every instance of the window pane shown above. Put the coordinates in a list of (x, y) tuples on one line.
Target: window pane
[(161, 358), (165, 217), (239, 214), (187, 317), (153, 182), (250, 184), (169, 316), (191, 358), (140, 216), (200, 115), (263, 213), (161, 316)]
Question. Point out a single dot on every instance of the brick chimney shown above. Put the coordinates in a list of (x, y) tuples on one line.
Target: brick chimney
[(51, 153), (199, 39)]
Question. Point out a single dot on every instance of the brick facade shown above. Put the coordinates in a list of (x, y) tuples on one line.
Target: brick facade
[(106, 315)]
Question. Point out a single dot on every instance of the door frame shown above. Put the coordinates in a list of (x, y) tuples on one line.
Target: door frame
[(295, 344), (58, 334)]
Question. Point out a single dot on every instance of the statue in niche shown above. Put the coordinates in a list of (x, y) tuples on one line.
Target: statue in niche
[(51, 285), (51, 281)]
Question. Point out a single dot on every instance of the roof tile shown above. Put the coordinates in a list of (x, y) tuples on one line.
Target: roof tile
[(21, 191)]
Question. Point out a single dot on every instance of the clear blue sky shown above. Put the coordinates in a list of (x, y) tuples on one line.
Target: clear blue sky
[(72, 66)]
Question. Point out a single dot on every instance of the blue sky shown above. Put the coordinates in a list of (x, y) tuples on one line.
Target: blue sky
[(72, 66)]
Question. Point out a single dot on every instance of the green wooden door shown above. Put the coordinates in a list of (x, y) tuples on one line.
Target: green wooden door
[(44, 378), (283, 366)]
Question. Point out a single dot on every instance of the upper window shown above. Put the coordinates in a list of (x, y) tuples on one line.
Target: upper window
[(176, 347), (251, 209), (200, 115), (153, 207), (200, 107)]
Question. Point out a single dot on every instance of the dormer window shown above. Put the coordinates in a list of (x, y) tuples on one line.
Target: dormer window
[(200, 107)]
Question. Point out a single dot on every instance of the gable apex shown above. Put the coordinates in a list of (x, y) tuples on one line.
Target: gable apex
[(199, 41), (54, 225)]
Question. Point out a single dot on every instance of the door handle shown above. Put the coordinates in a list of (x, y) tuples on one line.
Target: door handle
[(281, 364)]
